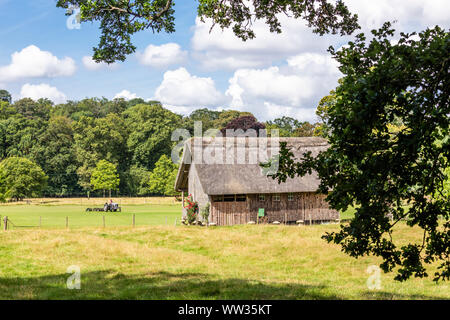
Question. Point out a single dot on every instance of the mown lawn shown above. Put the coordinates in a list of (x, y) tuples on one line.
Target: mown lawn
[(181, 262), (55, 215)]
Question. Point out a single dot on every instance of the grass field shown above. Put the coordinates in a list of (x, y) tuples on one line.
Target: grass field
[(159, 261), (53, 213)]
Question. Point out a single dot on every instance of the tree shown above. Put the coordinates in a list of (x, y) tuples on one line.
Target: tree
[(96, 139), (136, 179), (6, 110), (54, 152), (244, 123), (382, 172), (31, 109), (285, 125), (305, 129), (446, 192), (20, 178), (119, 20), (105, 177), (162, 179), (290, 127), (151, 128), (5, 96), (209, 119), (18, 135), (325, 104)]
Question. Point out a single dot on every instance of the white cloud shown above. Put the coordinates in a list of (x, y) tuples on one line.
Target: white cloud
[(32, 62), (180, 88), (127, 95), (293, 89), (223, 50), (436, 12), (162, 56), (288, 73), (412, 15), (314, 64), (92, 65), (42, 90)]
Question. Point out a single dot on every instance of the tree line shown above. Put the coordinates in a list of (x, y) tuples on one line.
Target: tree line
[(94, 145)]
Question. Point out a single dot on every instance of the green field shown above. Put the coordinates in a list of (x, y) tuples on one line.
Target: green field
[(185, 262), (55, 215)]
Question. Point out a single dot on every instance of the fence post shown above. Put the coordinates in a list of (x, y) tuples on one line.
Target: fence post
[(40, 221), (67, 222), (134, 220), (104, 224), (176, 220), (5, 224)]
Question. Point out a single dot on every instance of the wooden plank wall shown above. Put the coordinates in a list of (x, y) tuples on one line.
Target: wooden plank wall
[(304, 206), (229, 213)]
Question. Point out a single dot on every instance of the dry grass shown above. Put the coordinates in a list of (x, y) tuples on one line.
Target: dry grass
[(166, 262), (95, 201)]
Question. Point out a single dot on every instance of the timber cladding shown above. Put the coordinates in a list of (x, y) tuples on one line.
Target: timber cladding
[(284, 207)]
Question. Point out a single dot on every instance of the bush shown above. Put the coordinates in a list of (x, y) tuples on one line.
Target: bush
[(191, 209)]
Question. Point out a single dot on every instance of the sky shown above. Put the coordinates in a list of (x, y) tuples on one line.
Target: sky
[(42, 55)]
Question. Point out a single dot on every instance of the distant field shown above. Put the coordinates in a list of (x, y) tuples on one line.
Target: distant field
[(52, 212), (55, 215), (168, 262), (94, 201)]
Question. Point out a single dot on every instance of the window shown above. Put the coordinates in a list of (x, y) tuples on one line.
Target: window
[(290, 197), (261, 197), (276, 197), (228, 198), (218, 198), (241, 198)]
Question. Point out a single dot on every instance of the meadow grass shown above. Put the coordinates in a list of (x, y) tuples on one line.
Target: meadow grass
[(191, 262), (23, 215), (93, 201)]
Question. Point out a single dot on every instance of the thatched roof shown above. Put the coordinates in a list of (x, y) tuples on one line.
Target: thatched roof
[(243, 177)]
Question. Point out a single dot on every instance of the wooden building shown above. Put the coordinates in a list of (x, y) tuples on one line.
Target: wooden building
[(223, 172)]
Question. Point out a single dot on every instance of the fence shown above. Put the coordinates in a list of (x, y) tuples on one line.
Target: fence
[(7, 224)]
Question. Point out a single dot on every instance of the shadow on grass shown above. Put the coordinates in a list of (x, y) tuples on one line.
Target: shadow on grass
[(384, 295), (161, 285)]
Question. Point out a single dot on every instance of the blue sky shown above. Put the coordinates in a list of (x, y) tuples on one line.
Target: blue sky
[(43, 25), (271, 76)]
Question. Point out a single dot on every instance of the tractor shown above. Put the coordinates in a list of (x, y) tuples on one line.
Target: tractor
[(111, 207)]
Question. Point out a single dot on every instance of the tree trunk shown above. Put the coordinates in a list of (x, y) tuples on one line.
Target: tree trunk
[(110, 193), (103, 193)]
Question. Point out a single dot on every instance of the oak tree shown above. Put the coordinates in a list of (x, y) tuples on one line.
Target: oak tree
[(389, 173), (120, 19), (20, 178), (105, 177)]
